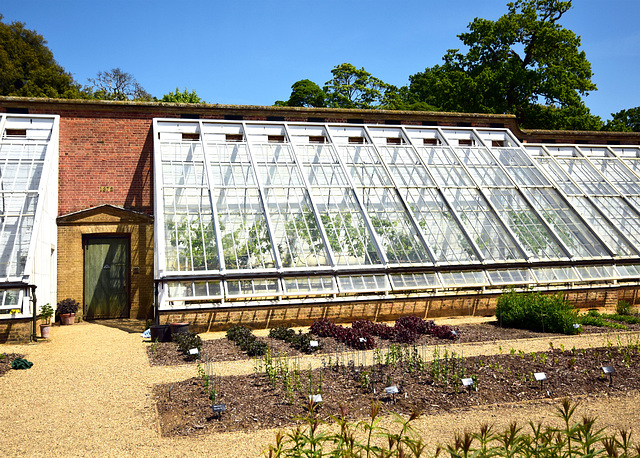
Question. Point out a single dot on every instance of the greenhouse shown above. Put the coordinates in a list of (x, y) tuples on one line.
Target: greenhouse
[(268, 213), (28, 208)]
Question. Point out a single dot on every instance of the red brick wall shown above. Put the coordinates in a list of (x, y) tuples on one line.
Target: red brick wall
[(101, 149)]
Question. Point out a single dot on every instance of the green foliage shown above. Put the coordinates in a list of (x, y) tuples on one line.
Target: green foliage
[(181, 97), (186, 341), (536, 312), (594, 318), (624, 308), (624, 121), (351, 87), (46, 312), (28, 68), (512, 65), (304, 93), (244, 338)]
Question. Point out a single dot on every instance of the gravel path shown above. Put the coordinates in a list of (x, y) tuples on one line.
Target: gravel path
[(88, 393)]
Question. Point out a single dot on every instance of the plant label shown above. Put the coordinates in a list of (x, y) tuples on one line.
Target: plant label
[(540, 376), (391, 389), (313, 343), (608, 370), (315, 398), (193, 351), (219, 408), (467, 382)]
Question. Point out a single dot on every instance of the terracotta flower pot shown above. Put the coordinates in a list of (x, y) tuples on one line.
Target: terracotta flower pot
[(44, 330), (67, 318)]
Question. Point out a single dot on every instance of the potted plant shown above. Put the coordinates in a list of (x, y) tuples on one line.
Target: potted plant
[(46, 312), (67, 309)]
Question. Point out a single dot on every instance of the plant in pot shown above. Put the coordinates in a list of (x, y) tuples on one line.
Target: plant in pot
[(46, 312), (67, 309)]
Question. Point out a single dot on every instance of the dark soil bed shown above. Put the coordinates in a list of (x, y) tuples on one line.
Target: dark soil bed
[(225, 350), (5, 361), (253, 403)]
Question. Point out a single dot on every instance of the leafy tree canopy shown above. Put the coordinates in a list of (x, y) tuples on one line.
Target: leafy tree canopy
[(524, 63), (350, 87), (625, 121), (182, 97), (304, 93), (27, 66), (116, 84)]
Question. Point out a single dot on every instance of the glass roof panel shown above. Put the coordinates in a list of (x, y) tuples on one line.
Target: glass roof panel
[(586, 176), (349, 239), (445, 167), (393, 226), (363, 283), (447, 241), (576, 236), (622, 215), (482, 225), (464, 279), (629, 270), (364, 165), (597, 272), (405, 166), (296, 232), (243, 228), (606, 231), (482, 167), (510, 276), (532, 234), (558, 175), (520, 167)]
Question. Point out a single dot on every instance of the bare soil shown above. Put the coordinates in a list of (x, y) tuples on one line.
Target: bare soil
[(253, 403), (5, 361)]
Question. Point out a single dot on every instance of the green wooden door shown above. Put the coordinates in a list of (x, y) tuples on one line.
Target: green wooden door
[(106, 267)]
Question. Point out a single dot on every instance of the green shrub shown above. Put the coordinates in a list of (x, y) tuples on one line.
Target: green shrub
[(624, 308), (186, 341), (537, 312)]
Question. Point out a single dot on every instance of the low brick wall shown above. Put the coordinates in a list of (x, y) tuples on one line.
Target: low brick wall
[(16, 331), (384, 310)]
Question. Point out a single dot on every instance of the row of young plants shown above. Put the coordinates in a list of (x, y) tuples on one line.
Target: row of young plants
[(300, 341), (358, 439), (246, 340), (361, 335)]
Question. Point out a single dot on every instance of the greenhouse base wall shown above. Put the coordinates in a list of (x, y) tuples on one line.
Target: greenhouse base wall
[(220, 319), (16, 331)]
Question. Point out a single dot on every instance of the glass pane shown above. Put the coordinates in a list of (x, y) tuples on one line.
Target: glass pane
[(566, 223), (558, 175), (406, 168), (245, 238), (415, 281), (364, 166), (555, 274), (602, 227), (510, 276), (617, 174), (363, 283), (392, 224), (597, 272), (304, 286), (586, 176), (482, 167), (296, 232), (444, 236), (263, 287), (321, 166), (194, 289), (520, 167), (533, 236), (346, 229), (629, 271), (467, 278), (445, 167), (482, 225)]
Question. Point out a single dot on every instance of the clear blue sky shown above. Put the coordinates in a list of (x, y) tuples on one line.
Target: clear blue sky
[(250, 52)]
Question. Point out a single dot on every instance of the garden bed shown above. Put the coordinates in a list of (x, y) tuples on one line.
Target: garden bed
[(5, 361), (258, 401), (218, 350)]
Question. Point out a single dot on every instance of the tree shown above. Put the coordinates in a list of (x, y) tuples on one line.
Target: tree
[(304, 93), (27, 66), (354, 88), (182, 97), (524, 63), (625, 121), (118, 85)]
